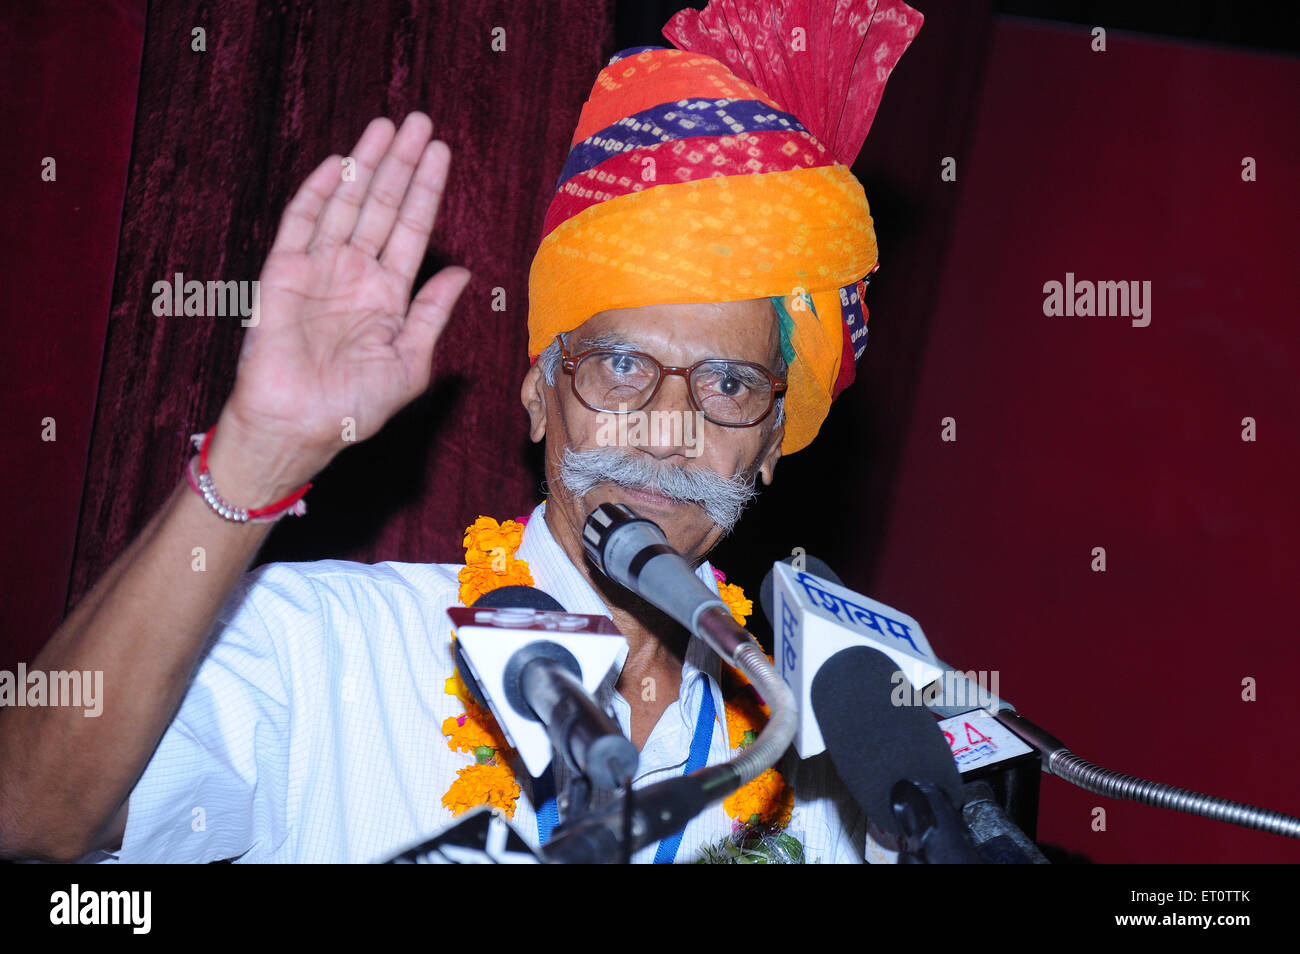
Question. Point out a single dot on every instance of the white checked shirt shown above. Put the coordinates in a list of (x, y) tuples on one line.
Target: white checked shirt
[(312, 731)]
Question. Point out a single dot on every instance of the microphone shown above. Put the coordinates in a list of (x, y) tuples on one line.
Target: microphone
[(503, 597), (634, 552), (535, 667), (804, 605), (956, 693), (811, 564), (544, 678), (819, 618), (813, 619), (893, 759)]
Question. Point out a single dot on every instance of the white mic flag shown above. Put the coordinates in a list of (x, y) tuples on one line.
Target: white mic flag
[(491, 636)]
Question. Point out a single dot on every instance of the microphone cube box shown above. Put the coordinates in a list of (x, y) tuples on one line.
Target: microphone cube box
[(814, 619), (491, 636)]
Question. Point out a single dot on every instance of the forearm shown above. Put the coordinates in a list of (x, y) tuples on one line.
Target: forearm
[(65, 775)]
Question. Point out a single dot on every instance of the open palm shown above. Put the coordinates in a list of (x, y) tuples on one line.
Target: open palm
[(337, 345)]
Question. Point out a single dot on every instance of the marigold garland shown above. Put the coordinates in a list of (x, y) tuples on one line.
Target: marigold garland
[(490, 559), (473, 729), (489, 563), (768, 801), (765, 804), (734, 597)]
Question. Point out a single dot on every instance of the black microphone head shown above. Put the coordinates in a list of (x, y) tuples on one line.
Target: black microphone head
[(619, 543), (519, 597), (874, 743), (503, 597), (811, 564), (602, 522)]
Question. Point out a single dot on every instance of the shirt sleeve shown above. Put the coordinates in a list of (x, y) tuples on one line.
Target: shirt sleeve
[(216, 786)]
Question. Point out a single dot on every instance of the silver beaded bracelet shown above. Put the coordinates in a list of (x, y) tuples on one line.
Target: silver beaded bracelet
[(201, 482)]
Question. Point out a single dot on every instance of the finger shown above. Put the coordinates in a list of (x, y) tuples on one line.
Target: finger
[(339, 217), (389, 186), (426, 319), (299, 219), (415, 218)]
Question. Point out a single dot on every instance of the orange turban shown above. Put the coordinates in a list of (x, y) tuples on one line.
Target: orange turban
[(689, 181)]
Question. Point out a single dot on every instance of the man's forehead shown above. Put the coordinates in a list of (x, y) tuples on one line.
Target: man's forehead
[(733, 328)]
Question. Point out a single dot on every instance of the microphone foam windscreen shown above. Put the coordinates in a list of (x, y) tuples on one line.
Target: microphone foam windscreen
[(874, 743), (503, 597), (519, 597)]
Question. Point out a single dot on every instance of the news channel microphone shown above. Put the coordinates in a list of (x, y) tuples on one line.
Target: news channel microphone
[(806, 611), (635, 553), (536, 668), (818, 618), (813, 619), (893, 759)]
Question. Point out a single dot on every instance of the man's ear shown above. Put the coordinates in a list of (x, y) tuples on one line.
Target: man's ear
[(771, 454), (533, 394)]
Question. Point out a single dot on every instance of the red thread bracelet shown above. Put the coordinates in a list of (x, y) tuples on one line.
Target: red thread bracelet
[(204, 486)]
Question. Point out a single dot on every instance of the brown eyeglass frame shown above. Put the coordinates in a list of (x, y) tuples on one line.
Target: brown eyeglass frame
[(569, 363)]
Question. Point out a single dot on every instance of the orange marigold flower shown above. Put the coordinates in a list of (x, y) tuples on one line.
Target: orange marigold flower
[(473, 729), (489, 784), (485, 536), (744, 714), (767, 800), (477, 579), (734, 597)]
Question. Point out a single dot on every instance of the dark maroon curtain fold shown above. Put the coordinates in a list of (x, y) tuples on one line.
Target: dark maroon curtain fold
[(70, 73), (222, 140)]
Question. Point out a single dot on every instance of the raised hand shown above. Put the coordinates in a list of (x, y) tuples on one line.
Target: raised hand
[(336, 335)]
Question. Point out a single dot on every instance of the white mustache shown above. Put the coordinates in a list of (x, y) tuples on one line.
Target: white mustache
[(723, 498)]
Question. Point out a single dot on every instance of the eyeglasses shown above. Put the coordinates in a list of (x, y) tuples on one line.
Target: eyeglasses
[(726, 392)]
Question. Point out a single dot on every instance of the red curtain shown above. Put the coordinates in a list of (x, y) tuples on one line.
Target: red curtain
[(70, 74), (1082, 433), (223, 138)]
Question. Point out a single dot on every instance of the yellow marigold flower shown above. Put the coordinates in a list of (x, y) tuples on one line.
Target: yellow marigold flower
[(493, 785), (473, 729), (455, 686), (767, 800), (734, 597)]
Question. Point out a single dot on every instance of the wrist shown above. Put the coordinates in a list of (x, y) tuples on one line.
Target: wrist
[(252, 469)]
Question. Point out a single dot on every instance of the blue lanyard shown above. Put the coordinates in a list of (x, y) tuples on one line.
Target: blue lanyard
[(548, 813)]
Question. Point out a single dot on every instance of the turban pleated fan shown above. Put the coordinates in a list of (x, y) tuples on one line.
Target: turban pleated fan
[(718, 171)]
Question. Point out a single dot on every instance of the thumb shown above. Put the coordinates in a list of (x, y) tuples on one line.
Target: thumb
[(426, 318)]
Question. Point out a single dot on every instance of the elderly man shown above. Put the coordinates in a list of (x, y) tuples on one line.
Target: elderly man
[(310, 712)]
